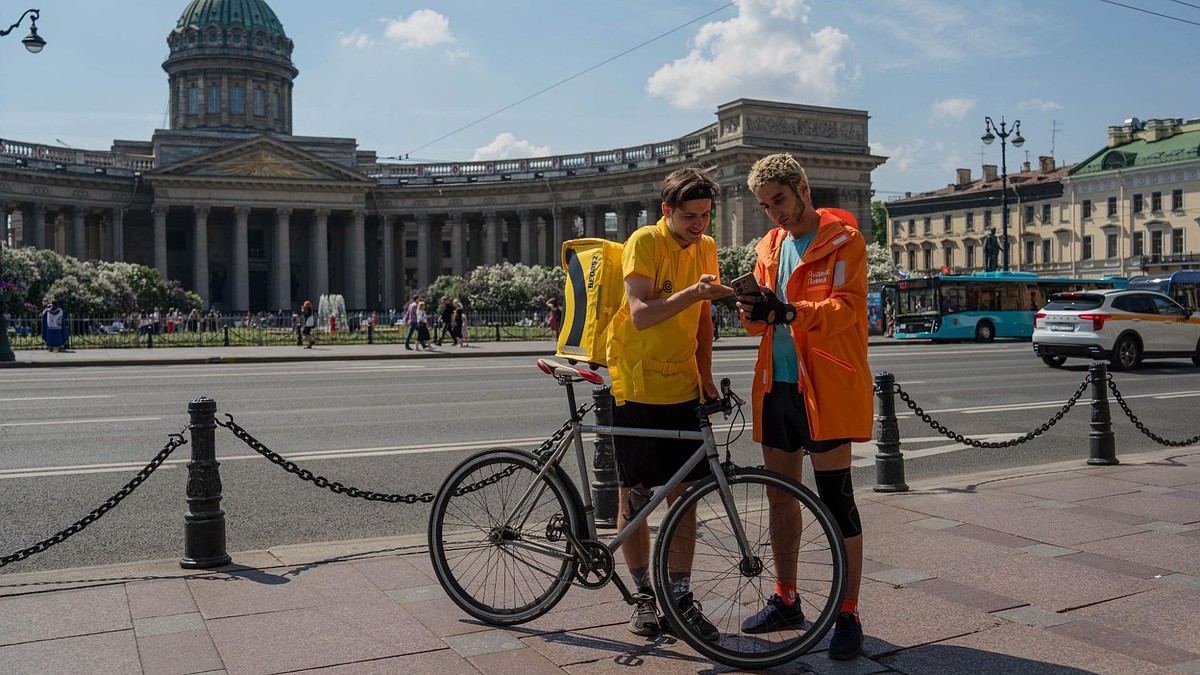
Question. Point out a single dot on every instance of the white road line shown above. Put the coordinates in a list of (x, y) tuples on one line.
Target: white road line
[(52, 398), (861, 461), (1052, 404), (87, 421)]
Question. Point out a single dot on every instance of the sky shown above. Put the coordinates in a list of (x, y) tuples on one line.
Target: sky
[(537, 77)]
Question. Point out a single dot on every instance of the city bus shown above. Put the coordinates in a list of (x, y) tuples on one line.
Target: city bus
[(1183, 286), (979, 307)]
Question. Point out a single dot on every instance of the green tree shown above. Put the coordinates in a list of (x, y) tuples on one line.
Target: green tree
[(733, 262), (880, 267), (878, 223)]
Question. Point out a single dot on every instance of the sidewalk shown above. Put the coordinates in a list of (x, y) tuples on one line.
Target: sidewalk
[(1060, 568)]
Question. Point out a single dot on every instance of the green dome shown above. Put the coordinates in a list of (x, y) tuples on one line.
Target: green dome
[(250, 15)]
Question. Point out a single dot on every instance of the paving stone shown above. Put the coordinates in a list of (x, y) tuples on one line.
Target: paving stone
[(519, 662), (417, 593), (904, 617), (819, 662), (47, 616), (486, 642), (1185, 580), (1033, 616), (991, 536), (440, 662), (442, 617), (1160, 474), (1167, 615), (1074, 487), (672, 659), (1153, 506), (1115, 565), (163, 625), (260, 591), (962, 594), (592, 644), (99, 654), (1189, 667), (1048, 550), (899, 576), (1055, 505), (159, 597), (1172, 552), (178, 653), (935, 523), (1158, 489), (1122, 642), (1087, 509), (1170, 528), (388, 573)]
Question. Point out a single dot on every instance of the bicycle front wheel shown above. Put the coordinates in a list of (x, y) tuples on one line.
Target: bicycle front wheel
[(726, 587), (499, 565)]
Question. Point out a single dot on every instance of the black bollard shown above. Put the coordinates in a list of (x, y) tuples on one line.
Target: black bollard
[(150, 338), (889, 463), (226, 336), (1102, 445), (370, 333), (204, 525), (604, 464)]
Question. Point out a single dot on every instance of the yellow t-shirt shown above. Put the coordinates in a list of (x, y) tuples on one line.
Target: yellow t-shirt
[(658, 365)]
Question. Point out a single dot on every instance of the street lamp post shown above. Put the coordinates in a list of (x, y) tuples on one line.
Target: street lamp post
[(6, 352), (991, 131), (33, 42)]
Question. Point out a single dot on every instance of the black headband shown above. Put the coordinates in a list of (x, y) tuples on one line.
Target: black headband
[(699, 192)]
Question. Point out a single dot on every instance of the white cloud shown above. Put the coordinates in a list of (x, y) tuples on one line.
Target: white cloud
[(953, 108), (357, 39), (506, 146), (951, 163), (455, 55), (900, 157), (766, 51), (1039, 104), (422, 28)]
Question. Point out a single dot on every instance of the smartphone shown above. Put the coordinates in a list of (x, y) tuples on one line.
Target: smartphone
[(745, 284)]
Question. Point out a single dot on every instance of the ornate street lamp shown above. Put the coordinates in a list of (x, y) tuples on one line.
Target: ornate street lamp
[(33, 42), (6, 352), (989, 135)]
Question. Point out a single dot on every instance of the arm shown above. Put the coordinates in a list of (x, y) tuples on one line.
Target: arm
[(646, 311), (704, 347), (754, 328)]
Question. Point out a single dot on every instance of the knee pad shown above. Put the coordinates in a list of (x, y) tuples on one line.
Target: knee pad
[(836, 489)]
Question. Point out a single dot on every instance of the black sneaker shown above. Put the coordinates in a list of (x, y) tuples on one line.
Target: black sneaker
[(694, 614), (775, 616), (847, 640)]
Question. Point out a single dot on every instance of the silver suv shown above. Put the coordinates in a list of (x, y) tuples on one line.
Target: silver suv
[(1119, 325)]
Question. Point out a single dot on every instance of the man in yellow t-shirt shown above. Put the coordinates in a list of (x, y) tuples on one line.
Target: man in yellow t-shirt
[(660, 361)]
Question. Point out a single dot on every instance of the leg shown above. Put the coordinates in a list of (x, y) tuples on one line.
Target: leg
[(636, 548), (836, 460), (785, 521), (679, 562), (832, 475)]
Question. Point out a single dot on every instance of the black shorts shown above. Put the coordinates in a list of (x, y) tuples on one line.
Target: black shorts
[(785, 422), (650, 462), (308, 330)]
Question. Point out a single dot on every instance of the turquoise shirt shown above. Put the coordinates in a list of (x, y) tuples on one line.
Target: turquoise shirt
[(786, 365)]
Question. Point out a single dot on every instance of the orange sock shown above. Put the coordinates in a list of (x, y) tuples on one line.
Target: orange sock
[(787, 592), (850, 606)]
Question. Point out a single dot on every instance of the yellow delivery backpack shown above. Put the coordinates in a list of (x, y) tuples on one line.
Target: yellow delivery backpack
[(594, 292)]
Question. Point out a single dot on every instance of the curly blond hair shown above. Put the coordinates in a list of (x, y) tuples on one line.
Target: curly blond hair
[(781, 168)]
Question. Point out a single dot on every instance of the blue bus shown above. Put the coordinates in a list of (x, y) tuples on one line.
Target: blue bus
[(1183, 286), (979, 307)]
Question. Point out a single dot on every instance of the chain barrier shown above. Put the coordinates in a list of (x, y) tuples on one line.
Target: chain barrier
[(338, 488), (175, 441), (1142, 427), (941, 428)]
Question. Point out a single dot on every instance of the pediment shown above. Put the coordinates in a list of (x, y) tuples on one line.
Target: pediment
[(261, 158)]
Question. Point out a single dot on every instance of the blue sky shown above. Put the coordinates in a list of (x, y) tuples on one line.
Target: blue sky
[(396, 75)]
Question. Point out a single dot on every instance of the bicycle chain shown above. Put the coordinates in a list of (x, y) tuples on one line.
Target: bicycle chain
[(941, 428), (1142, 427), (176, 441), (339, 488)]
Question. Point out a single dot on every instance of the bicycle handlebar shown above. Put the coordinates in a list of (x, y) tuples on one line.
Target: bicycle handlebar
[(728, 401)]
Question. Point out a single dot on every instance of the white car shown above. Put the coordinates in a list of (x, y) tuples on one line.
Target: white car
[(1122, 326)]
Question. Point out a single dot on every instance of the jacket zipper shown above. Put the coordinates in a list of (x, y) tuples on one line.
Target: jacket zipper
[(833, 358)]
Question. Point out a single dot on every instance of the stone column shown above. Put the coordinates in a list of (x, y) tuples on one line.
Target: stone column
[(281, 261), (160, 238), (358, 265), (527, 250), (558, 239), (543, 256), (491, 238), (423, 262), (458, 238), (592, 229), (241, 259), (653, 210), (116, 233), (200, 254), (627, 220), (318, 255), (78, 247), (388, 225), (37, 225)]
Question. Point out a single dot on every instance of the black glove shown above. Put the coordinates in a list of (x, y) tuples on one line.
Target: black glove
[(769, 308)]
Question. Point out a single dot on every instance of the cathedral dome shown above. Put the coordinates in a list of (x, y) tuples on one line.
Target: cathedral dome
[(249, 15)]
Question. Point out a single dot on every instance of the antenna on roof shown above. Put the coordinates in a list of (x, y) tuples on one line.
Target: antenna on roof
[(1054, 129)]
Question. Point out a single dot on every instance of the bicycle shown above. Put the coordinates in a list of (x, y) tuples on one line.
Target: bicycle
[(509, 533)]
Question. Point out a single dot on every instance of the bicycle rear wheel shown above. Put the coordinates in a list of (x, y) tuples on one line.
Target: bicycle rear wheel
[(500, 566), (730, 589)]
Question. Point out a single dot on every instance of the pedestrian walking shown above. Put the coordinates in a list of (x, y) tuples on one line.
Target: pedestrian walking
[(308, 323), (410, 320), (422, 327), (55, 331), (459, 329), (445, 320), (553, 317)]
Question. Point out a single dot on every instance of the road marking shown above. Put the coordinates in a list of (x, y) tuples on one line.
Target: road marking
[(88, 421), (52, 398), (974, 410), (869, 460)]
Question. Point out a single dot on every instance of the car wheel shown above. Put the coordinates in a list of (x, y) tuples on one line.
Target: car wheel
[(985, 331), (1196, 355), (1054, 361), (1127, 353)]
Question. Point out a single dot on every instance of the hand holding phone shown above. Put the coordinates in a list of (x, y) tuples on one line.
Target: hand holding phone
[(746, 284)]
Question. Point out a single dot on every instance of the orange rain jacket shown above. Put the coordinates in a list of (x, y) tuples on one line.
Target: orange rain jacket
[(829, 290)]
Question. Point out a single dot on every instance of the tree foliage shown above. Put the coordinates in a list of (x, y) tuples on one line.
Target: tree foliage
[(880, 267), (733, 262), (878, 223)]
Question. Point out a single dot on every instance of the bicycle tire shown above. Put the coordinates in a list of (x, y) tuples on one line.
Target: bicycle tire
[(488, 576), (725, 594)]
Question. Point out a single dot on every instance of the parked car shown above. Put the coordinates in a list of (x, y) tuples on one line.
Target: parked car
[(1123, 326)]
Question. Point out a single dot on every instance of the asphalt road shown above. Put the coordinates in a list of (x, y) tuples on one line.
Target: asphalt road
[(70, 438)]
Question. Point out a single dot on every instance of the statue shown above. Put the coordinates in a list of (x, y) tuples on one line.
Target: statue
[(991, 251)]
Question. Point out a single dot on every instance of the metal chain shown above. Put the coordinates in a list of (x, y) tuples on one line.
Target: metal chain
[(941, 428), (175, 441), (1142, 427), (338, 488)]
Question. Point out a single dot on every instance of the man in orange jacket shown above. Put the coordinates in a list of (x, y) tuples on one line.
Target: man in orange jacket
[(812, 385)]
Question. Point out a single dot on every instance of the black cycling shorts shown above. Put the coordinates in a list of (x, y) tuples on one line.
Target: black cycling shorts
[(650, 462), (785, 422)]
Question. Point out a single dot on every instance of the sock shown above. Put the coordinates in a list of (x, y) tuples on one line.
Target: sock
[(787, 592), (850, 606), (641, 579), (680, 582)]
